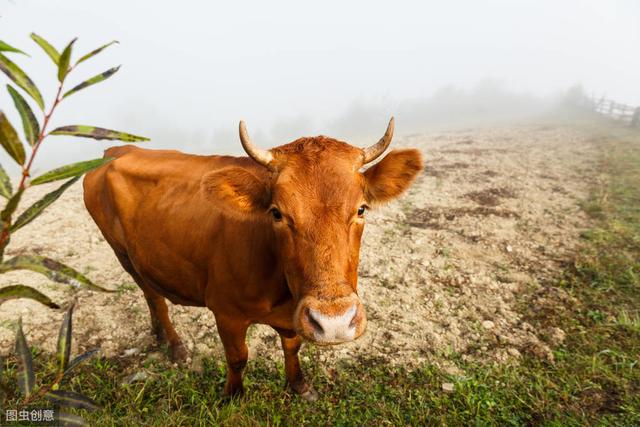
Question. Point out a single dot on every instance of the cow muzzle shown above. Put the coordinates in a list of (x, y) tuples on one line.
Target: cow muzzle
[(331, 321)]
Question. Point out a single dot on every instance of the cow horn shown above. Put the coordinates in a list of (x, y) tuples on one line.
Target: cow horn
[(373, 152), (264, 157)]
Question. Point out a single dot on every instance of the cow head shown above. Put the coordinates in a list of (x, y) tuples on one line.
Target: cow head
[(315, 196)]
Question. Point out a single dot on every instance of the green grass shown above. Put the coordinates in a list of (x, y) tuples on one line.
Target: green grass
[(594, 379)]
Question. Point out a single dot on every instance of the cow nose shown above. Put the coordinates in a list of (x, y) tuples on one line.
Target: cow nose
[(330, 321), (337, 328)]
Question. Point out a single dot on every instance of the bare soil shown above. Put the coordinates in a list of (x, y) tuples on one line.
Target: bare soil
[(448, 271)]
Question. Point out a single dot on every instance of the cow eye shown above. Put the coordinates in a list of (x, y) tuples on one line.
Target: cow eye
[(361, 210), (275, 213)]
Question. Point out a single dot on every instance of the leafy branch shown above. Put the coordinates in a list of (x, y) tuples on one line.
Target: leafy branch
[(35, 132), (52, 392)]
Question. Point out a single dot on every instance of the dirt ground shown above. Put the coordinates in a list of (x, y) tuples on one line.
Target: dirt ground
[(443, 270)]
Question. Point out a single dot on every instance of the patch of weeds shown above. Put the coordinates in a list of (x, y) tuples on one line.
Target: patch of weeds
[(387, 283), (628, 320), (125, 287), (10, 324), (595, 315)]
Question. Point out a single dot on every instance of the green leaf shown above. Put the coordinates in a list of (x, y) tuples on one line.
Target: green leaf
[(79, 359), (20, 78), (93, 80), (7, 48), (29, 121), (10, 141), (97, 133), (70, 420), (11, 206), (5, 184), (49, 50), (74, 169), (33, 211), (71, 399), (95, 52), (65, 58), (64, 340), (54, 270), (21, 291), (26, 376)]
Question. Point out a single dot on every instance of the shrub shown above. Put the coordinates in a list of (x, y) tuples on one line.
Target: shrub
[(35, 132)]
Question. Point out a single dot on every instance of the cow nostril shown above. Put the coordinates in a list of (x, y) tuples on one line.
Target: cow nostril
[(353, 322), (314, 323)]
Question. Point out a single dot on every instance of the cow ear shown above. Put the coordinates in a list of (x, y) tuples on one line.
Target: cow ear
[(236, 190), (389, 178)]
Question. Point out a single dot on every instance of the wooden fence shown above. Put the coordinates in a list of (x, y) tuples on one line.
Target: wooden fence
[(615, 110)]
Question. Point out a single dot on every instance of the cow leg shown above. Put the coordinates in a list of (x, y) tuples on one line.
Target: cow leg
[(233, 333), (156, 326), (162, 327), (291, 344)]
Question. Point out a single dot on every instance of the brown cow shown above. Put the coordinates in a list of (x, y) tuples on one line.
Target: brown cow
[(273, 238)]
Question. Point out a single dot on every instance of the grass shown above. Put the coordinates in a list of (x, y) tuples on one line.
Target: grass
[(593, 380)]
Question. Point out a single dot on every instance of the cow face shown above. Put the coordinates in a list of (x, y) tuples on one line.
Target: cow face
[(316, 198)]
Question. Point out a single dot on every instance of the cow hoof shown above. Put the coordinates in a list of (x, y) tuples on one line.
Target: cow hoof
[(178, 353), (304, 390), (233, 394)]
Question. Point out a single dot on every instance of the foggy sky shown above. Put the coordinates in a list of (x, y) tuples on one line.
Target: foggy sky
[(192, 69)]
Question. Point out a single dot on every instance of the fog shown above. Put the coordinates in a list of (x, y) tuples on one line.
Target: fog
[(192, 70)]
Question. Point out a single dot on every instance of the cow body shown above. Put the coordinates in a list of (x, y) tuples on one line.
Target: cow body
[(276, 246), (152, 212)]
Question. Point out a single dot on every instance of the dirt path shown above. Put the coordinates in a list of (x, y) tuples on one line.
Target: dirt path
[(442, 271)]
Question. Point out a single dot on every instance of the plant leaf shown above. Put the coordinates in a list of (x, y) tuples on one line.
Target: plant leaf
[(26, 376), (33, 211), (72, 420), (64, 340), (65, 58), (4, 47), (10, 141), (97, 133), (71, 399), (29, 121), (11, 206), (49, 50), (74, 169), (79, 359), (20, 78), (54, 270), (93, 80), (5, 184), (21, 291), (96, 51)]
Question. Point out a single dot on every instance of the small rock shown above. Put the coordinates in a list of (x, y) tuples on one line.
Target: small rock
[(197, 365), (556, 336), (488, 324), (130, 352), (448, 387), (138, 376), (154, 356), (514, 352), (509, 248)]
